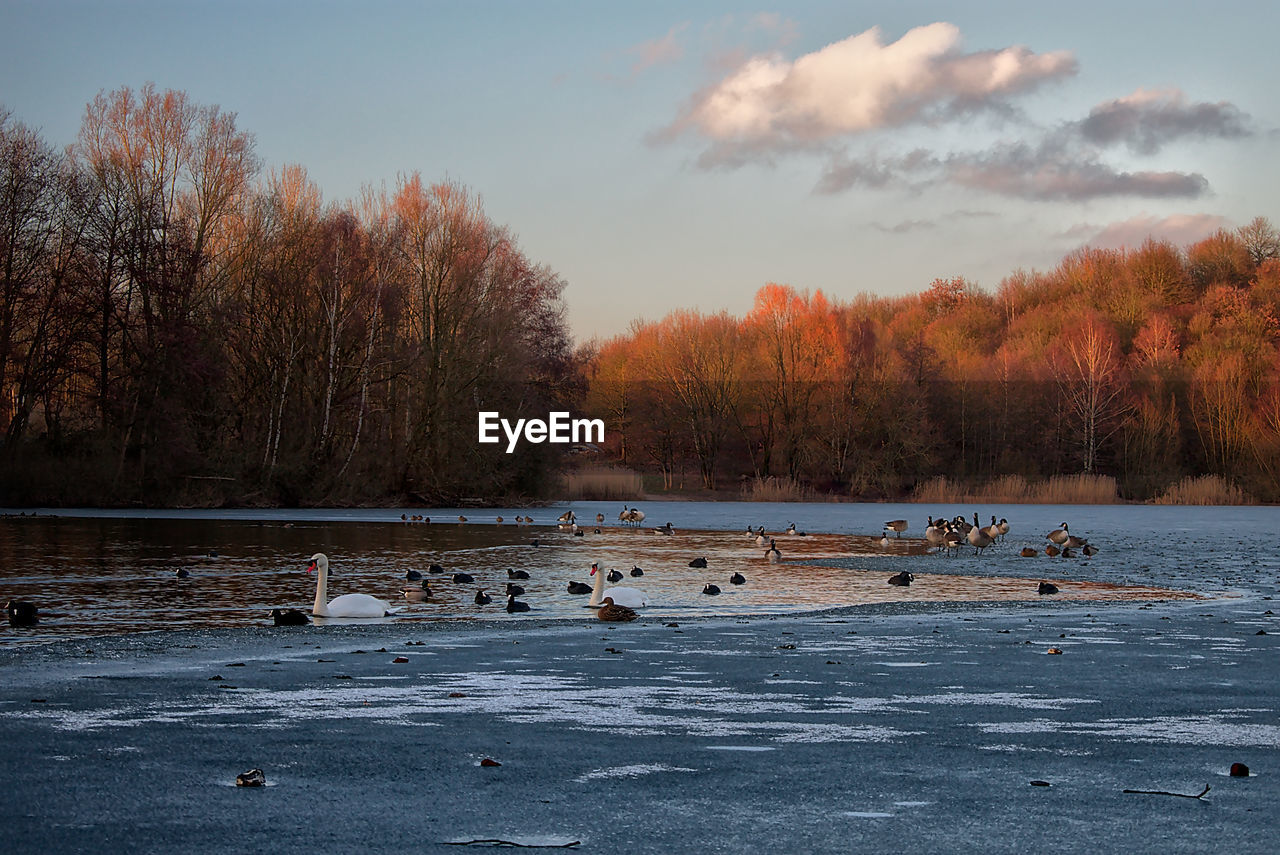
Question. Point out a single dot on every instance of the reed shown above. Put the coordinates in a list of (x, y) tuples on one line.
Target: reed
[(1014, 489), (1203, 490), (603, 483), (773, 489)]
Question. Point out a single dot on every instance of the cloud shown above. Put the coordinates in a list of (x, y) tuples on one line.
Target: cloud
[(905, 226), (663, 51), (769, 104), (1148, 119), (1179, 229)]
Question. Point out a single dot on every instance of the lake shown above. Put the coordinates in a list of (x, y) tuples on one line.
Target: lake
[(95, 572)]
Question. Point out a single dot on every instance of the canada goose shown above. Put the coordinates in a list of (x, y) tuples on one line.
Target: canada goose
[(667, 529), (567, 517), (1059, 535), (992, 531), (902, 579), (514, 605), (1004, 527), (772, 555), (737, 579), (1075, 542), (952, 541), (711, 590), (289, 617), (461, 519), (609, 611), (1047, 588), (896, 525), (483, 599), (791, 528), (934, 533), (599, 519), (978, 537)]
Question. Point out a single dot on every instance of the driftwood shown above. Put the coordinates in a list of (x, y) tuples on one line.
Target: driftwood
[(1166, 793), (493, 841)]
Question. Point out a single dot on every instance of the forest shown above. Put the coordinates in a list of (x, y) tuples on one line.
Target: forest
[(180, 327)]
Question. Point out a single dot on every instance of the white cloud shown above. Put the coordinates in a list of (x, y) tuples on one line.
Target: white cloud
[(1148, 119), (1179, 229), (661, 51)]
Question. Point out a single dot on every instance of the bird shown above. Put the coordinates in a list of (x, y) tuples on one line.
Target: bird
[(935, 532), (636, 571), (499, 519), (513, 590), (1067, 553), (567, 517), (435, 569), (1089, 550), (737, 579), (698, 563), (413, 575), (632, 598), (978, 537), (613, 576), (884, 542), (711, 590), (289, 617), (22, 613), (1047, 588), (483, 599), (1051, 550), (611, 611), (896, 525), (416, 593), (599, 519), (182, 573), (534, 543), (772, 555), (1028, 552), (1004, 527), (579, 588), (514, 605), (902, 579), (1059, 535), (952, 541), (1075, 542), (791, 528), (517, 574), (461, 518), (667, 529), (463, 578), (348, 605)]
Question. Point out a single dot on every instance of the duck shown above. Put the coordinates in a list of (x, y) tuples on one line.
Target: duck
[(1089, 550), (896, 525), (1051, 550), (417, 593), (636, 572), (632, 598), (579, 588), (611, 611), (1028, 552), (463, 578), (667, 529), (347, 605), (482, 599), (1047, 588), (517, 574), (413, 575), (289, 617), (513, 590), (698, 563), (514, 605), (737, 579), (499, 520), (902, 579), (461, 519), (435, 570), (613, 576), (772, 555), (711, 590), (22, 613)]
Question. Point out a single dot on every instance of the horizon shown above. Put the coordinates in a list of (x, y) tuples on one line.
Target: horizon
[(682, 156)]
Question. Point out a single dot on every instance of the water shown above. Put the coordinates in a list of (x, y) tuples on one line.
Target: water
[(98, 572)]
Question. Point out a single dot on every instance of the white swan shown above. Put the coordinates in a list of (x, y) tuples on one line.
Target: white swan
[(348, 605), (632, 598)]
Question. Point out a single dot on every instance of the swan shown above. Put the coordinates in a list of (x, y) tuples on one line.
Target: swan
[(348, 605), (632, 598)]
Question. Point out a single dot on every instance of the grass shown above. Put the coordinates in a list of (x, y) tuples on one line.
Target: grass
[(773, 489), (601, 483), (1014, 489), (1203, 490)]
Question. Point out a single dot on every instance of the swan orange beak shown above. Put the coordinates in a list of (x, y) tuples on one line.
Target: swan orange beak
[(593, 570), (311, 567)]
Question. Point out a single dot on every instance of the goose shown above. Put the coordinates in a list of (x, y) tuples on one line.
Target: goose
[(348, 605), (514, 605), (952, 540), (978, 537), (613, 576), (1047, 588), (934, 533), (579, 588), (22, 613), (611, 611), (483, 599), (289, 617), (599, 519), (896, 525), (791, 528), (567, 517), (463, 578), (737, 579), (992, 531), (761, 540), (884, 541), (1059, 535), (1075, 542), (517, 574), (417, 593), (667, 529), (632, 598), (636, 572), (772, 555), (1028, 552), (902, 579), (711, 590), (1004, 527), (513, 590), (698, 563)]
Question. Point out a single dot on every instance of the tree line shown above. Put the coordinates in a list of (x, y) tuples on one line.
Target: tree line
[(178, 328), (1147, 364)]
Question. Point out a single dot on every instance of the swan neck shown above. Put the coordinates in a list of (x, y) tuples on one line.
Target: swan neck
[(320, 607), (598, 591)]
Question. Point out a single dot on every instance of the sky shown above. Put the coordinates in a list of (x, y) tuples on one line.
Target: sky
[(680, 155)]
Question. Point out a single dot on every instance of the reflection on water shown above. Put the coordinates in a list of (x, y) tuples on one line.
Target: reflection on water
[(104, 576)]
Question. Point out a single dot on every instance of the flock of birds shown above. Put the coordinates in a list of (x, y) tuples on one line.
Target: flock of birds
[(619, 603)]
